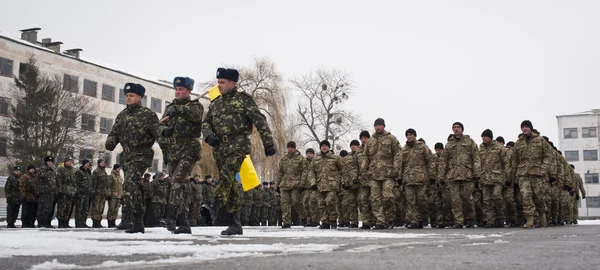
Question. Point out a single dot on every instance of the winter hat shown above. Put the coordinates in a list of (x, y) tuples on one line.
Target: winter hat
[(325, 142), (85, 161), (30, 167), (379, 122), (439, 145), (134, 88), (116, 166), (410, 131), (487, 133), (511, 144), (460, 124), (310, 150), (185, 82), (364, 133), (343, 153), (354, 143), (228, 73), (527, 123)]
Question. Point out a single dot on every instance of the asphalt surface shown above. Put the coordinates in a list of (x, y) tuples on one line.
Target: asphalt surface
[(568, 247)]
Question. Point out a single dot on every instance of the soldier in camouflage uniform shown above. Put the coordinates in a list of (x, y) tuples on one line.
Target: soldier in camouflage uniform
[(494, 168), (67, 188), (381, 165), (343, 221), (135, 129), (311, 200), (443, 202), (148, 213), (477, 204), (351, 183), (208, 192), (291, 170), (266, 205), (100, 192), (46, 186), (508, 191), (324, 176), (256, 206), (116, 192), (531, 163), (274, 216), (226, 128), (158, 193), (459, 168), (29, 191), (13, 197), (247, 209), (577, 188), (83, 177), (364, 192), (196, 201)]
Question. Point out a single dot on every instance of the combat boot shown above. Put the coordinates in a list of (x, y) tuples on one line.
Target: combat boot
[(543, 221), (415, 226), (236, 227), (560, 222), (11, 225), (286, 226), (333, 225), (183, 230), (303, 222), (111, 223), (433, 223), (61, 224), (529, 224), (424, 222), (353, 226), (441, 226), (379, 227), (500, 223), (365, 227), (97, 224), (457, 226), (324, 226), (185, 224), (125, 219), (137, 228)]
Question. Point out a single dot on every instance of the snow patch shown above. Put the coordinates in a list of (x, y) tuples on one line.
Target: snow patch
[(500, 241), (366, 248), (475, 244)]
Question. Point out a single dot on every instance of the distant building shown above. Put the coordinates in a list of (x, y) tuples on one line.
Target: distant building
[(579, 142)]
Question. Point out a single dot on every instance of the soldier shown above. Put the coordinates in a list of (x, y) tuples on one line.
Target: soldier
[(364, 192), (179, 141), (116, 192), (67, 188), (324, 176), (196, 199), (247, 209), (568, 192), (310, 200), (352, 183), (381, 163), (135, 129), (416, 173), (508, 192), (83, 177), (209, 195), (291, 169), (257, 206), (100, 189), (494, 168), (459, 167), (148, 214), (275, 205), (266, 205), (13, 197), (29, 191), (578, 188), (531, 163), (443, 202), (158, 194), (343, 221), (46, 187), (226, 128)]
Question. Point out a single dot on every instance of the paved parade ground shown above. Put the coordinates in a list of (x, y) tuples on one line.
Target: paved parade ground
[(568, 247)]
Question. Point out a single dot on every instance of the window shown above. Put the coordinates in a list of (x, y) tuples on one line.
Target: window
[(570, 133), (90, 88), (591, 178), (107, 157), (590, 154), (164, 170), (65, 152), (4, 105), (155, 165), (3, 146), (589, 132), (6, 67), (105, 125), (122, 97), (70, 83), (69, 117), (572, 155), (156, 105), (108, 93), (592, 202), (88, 122), (145, 101), (86, 154)]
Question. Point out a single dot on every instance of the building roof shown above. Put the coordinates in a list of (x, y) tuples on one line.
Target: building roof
[(590, 112)]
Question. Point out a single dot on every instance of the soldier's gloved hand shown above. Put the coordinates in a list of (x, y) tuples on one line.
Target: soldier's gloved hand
[(572, 192), (345, 187), (212, 140), (313, 187), (270, 150), (171, 111), (355, 182), (552, 179), (432, 181), (566, 187), (476, 184), (110, 145), (168, 131), (577, 197)]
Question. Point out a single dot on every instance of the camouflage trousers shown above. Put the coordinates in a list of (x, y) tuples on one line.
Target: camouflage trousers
[(274, 216), (342, 216), (444, 205), (313, 205), (566, 208), (194, 214), (255, 215), (291, 199), (12, 212), (28, 214), (179, 171), (98, 207), (382, 200), (113, 208), (148, 212), (575, 211), (327, 206), (82, 209), (508, 194), (478, 205), (350, 206), (158, 212), (133, 197), (554, 199), (245, 215), (532, 192), (64, 207), (416, 202), (546, 198), (493, 204), (45, 208), (461, 196), (306, 205), (264, 215), (227, 191), (364, 205), (398, 213), (519, 204), (431, 201)]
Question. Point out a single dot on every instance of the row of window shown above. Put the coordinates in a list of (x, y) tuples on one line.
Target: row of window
[(588, 155), (586, 132), (592, 202)]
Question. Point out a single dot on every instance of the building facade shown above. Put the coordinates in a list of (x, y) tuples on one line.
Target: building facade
[(580, 144)]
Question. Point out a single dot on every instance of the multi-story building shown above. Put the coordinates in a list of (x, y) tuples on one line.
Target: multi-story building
[(580, 144)]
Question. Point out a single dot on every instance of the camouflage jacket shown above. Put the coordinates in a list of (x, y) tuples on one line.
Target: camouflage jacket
[(531, 157), (274, 198), (351, 173), (12, 190), (560, 170), (187, 125), (291, 169), (460, 159), (553, 169), (84, 181), (326, 171), (147, 189), (494, 164), (305, 170), (136, 129), (100, 182), (28, 187), (197, 197), (46, 180), (65, 180), (266, 201), (230, 117), (258, 197), (249, 197), (382, 157), (209, 193), (158, 191), (578, 184), (417, 166), (116, 185)]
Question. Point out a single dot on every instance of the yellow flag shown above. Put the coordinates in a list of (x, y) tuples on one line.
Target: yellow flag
[(214, 93), (248, 175)]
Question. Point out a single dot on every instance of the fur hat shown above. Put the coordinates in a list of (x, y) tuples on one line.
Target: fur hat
[(134, 88), (228, 73), (185, 82)]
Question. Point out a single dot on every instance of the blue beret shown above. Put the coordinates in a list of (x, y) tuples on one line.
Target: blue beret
[(186, 82), (134, 88), (228, 73)]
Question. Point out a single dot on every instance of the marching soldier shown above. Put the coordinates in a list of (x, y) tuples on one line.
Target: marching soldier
[(29, 192), (116, 192), (291, 169), (13, 197), (364, 192), (494, 165), (100, 186), (46, 186), (158, 193), (83, 177), (196, 201), (311, 201), (67, 188), (352, 183), (324, 176)]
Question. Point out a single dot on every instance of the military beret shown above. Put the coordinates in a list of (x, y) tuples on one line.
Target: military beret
[(17, 168), (134, 88), (185, 82), (228, 73), (49, 158)]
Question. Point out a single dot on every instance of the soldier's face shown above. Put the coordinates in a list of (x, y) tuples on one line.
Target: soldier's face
[(102, 164), (486, 140), (439, 151), (309, 155), (291, 150), (324, 148), (526, 130), (379, 128), (68, 163), (118, 170), (457, 130), (17, 172), (87, 165), (49, 163), (225, 85), (500, 143), (364, 140), (132, 98), (353, 147), (182, 92), (32, 171), (410, 137)]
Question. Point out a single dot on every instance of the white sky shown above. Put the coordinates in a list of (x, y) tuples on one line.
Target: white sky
[(419, 64)]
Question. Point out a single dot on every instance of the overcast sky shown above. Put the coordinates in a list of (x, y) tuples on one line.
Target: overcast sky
[(419, 64)]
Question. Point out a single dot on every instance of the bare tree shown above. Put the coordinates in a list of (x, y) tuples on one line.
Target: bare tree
[(320, 111), (43, 115)]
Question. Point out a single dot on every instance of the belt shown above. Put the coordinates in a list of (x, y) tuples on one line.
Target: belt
[(128, 149), (182, 139), (226, 138)]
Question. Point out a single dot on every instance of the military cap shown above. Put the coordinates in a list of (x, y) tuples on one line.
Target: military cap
[(49, 158), (17, 168), (67, 159), (30, 167), (527, 123), (185, 82), (228, 73), (134, 88)]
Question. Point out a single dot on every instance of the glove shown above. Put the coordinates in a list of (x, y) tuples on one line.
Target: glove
[(277, 189), (212, 140), (345, 187), (476, 184), (577, 197), (552, 179), (432, 181), (110, 145), (566, 187), (313, 187), (355, 182), (270, 150), (572, 192), (168, 131), (171, 111)]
